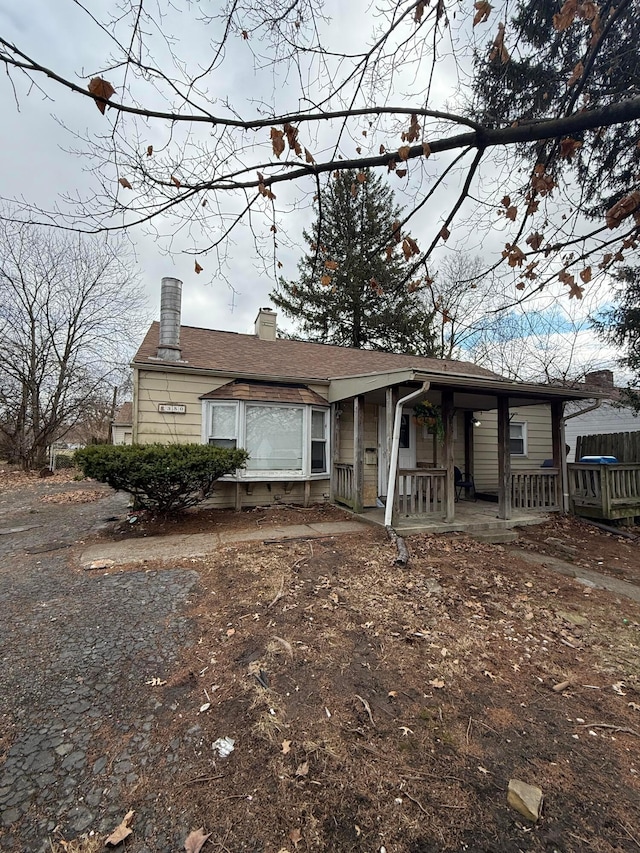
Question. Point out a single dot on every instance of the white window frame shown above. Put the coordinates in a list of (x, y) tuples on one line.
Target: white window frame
[(241, 435), (525, 447)]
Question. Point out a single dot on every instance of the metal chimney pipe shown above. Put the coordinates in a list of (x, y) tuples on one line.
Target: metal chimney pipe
[(170, 308)]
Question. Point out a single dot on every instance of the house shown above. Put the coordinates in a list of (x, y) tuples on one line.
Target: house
[(607, 417), (329, 423), (122, 425)]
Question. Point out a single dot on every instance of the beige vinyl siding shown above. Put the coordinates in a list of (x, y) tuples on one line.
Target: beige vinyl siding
[(155, 387), (345, 435), (431, 452), (485, 438), (259, 494), (370, 441)]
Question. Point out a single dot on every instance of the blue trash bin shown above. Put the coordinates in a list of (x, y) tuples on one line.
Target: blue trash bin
[(599, 460)]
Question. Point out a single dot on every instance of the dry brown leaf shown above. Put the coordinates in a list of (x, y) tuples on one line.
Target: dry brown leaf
[(506, 201), (286, 747), (245, 35), (284, 645), (438, 683), (623, 208), (100, 88), (568, 147), (296, 836), (382, 149), (563, 19), (361, 177), (302, 769), (585, 275), (125, 183), (194, 842), (498, 50), (121, 831), (576, 74), (175, 181), (325, 281), (331, 265), (483, 10), (404, 151), (511, 212), (401, 173), (445, 233), (292, 138), (535, 240), (308, 157), (149, 150), (198, 268), (277, 141), (414, 129), (419, 12), (426, 149)]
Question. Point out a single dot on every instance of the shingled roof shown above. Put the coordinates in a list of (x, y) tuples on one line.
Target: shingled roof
[(266, 392), (247, 355)]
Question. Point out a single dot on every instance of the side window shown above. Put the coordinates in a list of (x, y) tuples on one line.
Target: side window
[(518, 439), (318, 441), (223, 425)]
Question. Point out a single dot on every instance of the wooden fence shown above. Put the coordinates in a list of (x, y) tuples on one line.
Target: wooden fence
[(420, 491), (537, 489), (343, 484), (625, 446), (607, 492)]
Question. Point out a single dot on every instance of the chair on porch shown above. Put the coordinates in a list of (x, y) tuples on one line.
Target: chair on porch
[(461, 483)]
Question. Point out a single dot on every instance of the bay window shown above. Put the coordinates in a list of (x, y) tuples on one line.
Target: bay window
[(284, 441)]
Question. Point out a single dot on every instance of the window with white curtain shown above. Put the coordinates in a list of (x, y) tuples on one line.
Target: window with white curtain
[(283, 440)]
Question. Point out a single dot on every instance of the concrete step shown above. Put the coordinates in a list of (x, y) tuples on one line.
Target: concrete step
[(495, 537)]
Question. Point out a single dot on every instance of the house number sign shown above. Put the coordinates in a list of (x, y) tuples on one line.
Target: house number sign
[(172, 408)]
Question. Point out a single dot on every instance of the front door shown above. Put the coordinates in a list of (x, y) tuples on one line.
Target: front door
[(407, 450)]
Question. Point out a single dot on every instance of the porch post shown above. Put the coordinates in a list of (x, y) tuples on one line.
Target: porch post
[(468, 447), (335, 448), (358, 453), (448, 460), (559, 453), (391, 398), (504, 459)]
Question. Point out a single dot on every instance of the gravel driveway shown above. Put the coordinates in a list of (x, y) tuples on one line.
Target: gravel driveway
[(79, 724)]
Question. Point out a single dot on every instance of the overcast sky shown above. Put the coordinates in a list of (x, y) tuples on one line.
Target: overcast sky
[(41, 159)]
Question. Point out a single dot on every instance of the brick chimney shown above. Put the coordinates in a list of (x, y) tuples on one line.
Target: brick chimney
[(170, 308), (599, 378), (266, 324)]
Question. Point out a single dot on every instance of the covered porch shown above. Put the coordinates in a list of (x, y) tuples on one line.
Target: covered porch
[(379, 459)]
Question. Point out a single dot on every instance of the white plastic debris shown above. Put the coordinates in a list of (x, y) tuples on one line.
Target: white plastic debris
[(223, 746), (205, 707)]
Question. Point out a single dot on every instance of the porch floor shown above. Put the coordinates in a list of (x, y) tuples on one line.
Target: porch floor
[(471, 517)]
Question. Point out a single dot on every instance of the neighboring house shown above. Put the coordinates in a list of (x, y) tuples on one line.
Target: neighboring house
[(122, 425), (608, 418), (332, 423)]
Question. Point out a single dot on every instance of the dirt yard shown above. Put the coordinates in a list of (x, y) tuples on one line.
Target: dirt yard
[(375, 708)]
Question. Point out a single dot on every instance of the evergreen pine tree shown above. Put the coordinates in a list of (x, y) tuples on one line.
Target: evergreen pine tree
[(562, 55), (351, 290)]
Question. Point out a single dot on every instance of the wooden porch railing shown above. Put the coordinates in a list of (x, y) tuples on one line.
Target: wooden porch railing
[(343, 483), (536, 489), (605, 491), (420, 491)]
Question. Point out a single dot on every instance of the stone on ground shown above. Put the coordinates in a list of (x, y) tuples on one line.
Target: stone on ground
[(524, 798)]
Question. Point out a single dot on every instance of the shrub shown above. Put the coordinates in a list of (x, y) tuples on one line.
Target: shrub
[(161, 477)]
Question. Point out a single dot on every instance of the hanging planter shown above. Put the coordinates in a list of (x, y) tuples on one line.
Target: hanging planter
[(430, 415)]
